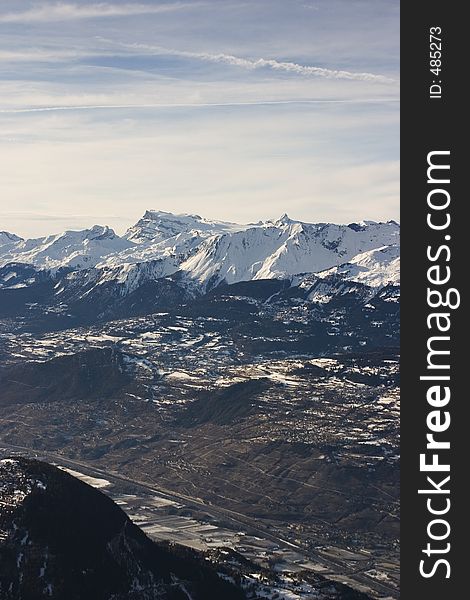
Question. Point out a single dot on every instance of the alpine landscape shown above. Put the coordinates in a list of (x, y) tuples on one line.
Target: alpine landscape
[(220, 402)]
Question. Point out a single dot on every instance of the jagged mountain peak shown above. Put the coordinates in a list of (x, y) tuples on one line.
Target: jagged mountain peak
[(70, 236), (162, 214), (9, 238), (157, 225), (284, 219), (101, 232)]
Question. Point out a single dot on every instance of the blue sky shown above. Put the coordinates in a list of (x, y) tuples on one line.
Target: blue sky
[(234, 110)]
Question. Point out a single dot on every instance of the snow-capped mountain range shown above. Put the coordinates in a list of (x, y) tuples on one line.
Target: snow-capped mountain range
[(207, 252)]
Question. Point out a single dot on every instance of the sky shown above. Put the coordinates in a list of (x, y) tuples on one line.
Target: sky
[(234, 110)]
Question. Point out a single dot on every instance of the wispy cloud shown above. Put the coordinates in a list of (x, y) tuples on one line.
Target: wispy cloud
[(60, 55), (259, 63), (61, 11), (41, 55), (194, 105)]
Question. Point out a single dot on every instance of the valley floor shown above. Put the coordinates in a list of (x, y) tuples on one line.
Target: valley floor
[(166, 516), (233, 423)]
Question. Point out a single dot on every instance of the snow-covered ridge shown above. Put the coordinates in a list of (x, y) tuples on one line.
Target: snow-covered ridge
[(375, 268), (157, 225), (7, 238), (280, 249), (366, 274), (208, 252), (74, 249)]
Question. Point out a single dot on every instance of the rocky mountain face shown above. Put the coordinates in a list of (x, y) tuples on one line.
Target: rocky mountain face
[(62, 539)]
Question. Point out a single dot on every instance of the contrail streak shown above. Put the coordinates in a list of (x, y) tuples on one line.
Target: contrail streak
[(192, 105), (251, 64)]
